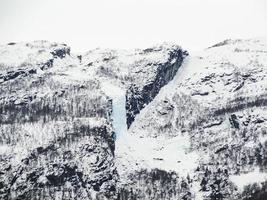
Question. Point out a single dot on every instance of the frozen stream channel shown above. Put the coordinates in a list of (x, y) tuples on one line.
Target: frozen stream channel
[(118, 96)]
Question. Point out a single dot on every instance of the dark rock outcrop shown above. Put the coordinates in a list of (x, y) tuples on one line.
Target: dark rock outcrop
[(138, 97)]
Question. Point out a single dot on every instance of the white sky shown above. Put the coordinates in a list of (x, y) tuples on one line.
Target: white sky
[(87, 24)]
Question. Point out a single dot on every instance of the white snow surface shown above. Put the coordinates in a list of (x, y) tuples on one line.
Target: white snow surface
[(32, 53), (127, 66), (245, 179), (171, 154), (206, 77)]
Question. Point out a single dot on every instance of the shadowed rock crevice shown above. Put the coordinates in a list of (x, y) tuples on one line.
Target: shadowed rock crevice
[(137, 98)]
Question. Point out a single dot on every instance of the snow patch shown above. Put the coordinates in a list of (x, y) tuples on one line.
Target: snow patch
[(3, 149), (167, 154), (249, 178)]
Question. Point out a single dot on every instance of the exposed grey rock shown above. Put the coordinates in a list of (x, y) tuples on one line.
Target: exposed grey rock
[(137, 98)]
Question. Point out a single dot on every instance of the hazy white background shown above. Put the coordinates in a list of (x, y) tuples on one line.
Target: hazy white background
[(86, 24)]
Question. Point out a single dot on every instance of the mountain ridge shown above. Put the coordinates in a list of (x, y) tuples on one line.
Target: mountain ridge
[(58, 138)]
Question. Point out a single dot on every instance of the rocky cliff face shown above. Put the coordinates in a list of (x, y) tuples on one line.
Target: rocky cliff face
[(141, 73), (57, 138), (139, 97), (197, 124), (216, 103)]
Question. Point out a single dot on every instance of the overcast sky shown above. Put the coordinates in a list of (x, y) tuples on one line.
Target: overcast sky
[(87, 24)]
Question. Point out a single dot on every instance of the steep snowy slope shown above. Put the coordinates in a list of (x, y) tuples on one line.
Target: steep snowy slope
[(55, 130), (141, 73), (197, 124), (207, 127), (60, 112)]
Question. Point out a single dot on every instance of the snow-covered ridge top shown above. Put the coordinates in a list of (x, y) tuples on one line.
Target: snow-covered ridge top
[(15, 54), (165, 46), (252, 43), (157, 53), (34, 44), (130, 66)]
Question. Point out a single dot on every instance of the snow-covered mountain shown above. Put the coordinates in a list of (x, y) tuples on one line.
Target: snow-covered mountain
[(157, 123), (208, 126)]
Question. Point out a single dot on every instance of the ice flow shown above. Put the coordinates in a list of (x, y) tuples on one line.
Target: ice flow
[(118, 96)]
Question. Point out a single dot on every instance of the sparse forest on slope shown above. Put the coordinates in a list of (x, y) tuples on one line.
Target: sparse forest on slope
[(197, 123)]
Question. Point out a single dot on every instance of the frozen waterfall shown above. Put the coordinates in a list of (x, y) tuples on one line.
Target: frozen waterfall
[(118, 96)]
